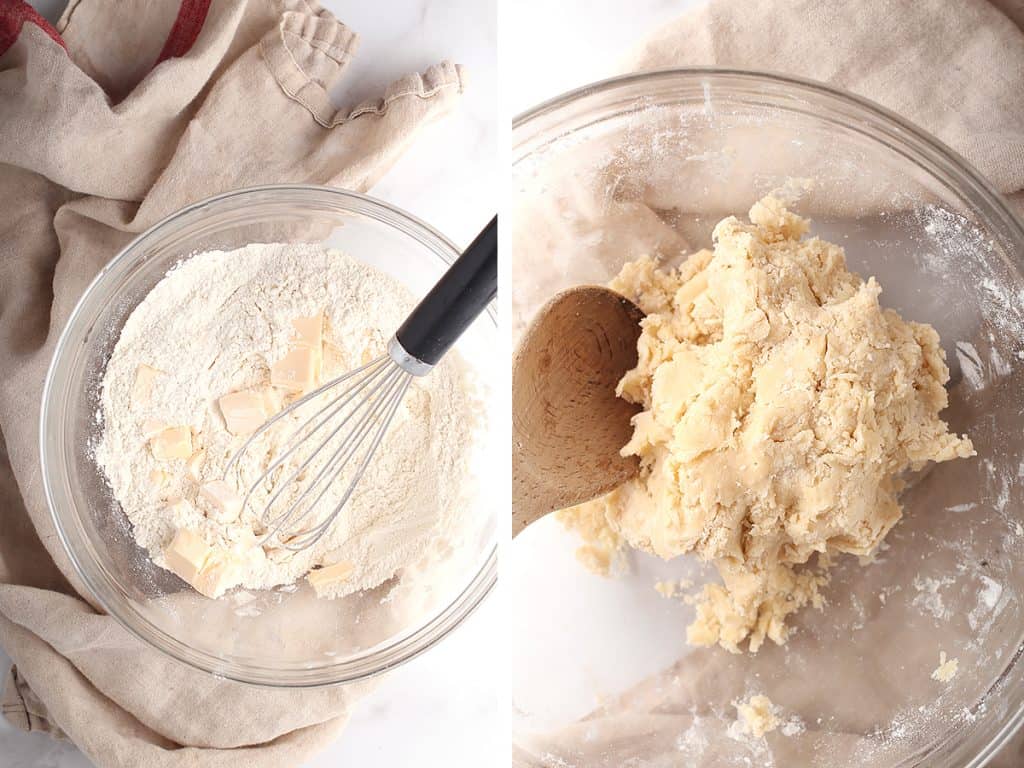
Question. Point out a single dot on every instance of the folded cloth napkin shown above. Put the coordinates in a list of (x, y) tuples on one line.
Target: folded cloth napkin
[(123, 113), (956, 69)]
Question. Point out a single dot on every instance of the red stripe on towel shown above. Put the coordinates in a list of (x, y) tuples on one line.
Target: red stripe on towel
[(13, 14), (188, 25)]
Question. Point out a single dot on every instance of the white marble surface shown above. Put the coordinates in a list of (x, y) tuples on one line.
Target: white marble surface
[(548, 47), (444, 708)]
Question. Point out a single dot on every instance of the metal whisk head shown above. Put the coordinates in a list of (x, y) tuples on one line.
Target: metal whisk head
[(343, 422), (342, 431)]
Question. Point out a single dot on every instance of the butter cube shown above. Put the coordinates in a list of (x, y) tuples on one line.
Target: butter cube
[(244, 412), (142, 389), (322, 578), (222, 503), (273, 402), (194, 465), (218, 574), (251, 556), (296, 371), (172, 443), (309, 331), (187, 554)]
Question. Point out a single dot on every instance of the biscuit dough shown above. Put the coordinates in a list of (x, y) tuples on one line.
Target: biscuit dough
[(781, 404), (756, 716)]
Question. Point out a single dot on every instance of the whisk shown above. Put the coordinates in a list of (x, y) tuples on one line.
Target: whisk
[(349, 426)]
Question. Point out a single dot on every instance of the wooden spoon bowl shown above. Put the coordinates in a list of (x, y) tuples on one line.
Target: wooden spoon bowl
[(568, 425)]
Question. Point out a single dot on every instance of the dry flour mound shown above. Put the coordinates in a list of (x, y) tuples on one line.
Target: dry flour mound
[(215, 325)]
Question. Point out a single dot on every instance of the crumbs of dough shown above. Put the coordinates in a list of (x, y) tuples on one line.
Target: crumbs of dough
[(947, 668), (756, 716), (602, 548), (665, 588), (781, 403), (671, 588)]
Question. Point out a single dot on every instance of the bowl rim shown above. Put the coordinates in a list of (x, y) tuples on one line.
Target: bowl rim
[(906, 131), (364, 665), (943, 163)]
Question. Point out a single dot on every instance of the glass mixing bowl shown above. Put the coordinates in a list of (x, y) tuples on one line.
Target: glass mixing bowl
[(284, 636), (647, 164)]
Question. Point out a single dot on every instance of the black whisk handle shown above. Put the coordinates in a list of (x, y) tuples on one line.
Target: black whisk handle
[(455, 302)]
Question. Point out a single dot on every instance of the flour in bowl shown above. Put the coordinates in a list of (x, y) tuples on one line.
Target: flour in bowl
[(221, 343)]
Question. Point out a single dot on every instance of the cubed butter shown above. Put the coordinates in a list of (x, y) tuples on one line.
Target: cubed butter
[(221, 501), (323, 578), (296, 371), (244, 412), (194, 465), (218, 574), (273, 402), (172, 443), (309, 331), (187, 554), (142, 389), (251, 556)]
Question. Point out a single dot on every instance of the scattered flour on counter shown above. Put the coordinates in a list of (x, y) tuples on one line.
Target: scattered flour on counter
[(694, 741), (929, 598), (793, 726), (970, 364), (991, 592), (989, 604), (999, 365), (214, 325), (962, 507)]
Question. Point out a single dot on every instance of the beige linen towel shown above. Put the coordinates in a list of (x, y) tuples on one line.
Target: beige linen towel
[(125, 112), (954, 68)]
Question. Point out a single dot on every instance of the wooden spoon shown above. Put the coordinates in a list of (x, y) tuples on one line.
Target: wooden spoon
[(567, 423)]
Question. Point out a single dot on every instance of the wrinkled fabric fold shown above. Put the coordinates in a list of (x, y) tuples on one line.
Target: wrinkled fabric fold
[(153, 106)]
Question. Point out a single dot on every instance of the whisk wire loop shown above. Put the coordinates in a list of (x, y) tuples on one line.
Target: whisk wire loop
[(356, 417), (346, 429), (308, 538), (371, 407), (377, 362), (338, 404)]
